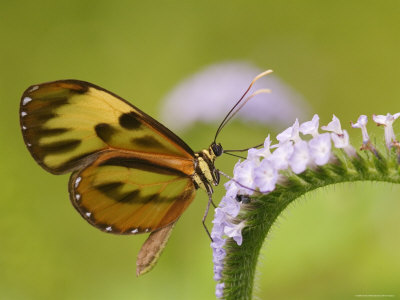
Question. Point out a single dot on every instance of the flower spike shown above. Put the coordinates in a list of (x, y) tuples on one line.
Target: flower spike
[(274, 170)]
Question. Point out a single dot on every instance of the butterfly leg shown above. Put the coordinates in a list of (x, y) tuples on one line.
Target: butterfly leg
[(206, 213), (213, 204)]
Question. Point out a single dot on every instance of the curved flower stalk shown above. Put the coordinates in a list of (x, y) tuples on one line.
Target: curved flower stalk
[(272, 177)]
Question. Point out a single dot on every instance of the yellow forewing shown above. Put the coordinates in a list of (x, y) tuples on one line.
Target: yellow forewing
[(67, 124), (124, 194)]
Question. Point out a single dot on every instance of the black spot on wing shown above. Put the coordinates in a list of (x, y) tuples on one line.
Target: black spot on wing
[(46, 132), (147, 141), (44, 117), (129, 121), (75, 86), (105, 131), (156, 198), (113, 190), (130, 197), (40, 111), (63, 87), (105, 188), (51, 102), (60, 147), (39, 107), (141, 164), (76, 162)]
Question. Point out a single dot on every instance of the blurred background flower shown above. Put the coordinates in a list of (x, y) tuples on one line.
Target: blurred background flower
[(209, 94)]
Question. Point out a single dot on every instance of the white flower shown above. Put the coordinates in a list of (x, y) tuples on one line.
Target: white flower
[(266, 151), (289, 134), (362, 123), (387, 121), (310, 127), (235, 231), (320, 148), (219, 290), (244, 174), (266, 176), (231, 189), (217, 246), (280, 157), (333, 126), (340, 140), (218, 272), (231, 207), (219, 221), (300, 157), (253, 155)]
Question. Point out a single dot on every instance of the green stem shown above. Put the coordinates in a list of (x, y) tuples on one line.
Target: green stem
[(241, 261)]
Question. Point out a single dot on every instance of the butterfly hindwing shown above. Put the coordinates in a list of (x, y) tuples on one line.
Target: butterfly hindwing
[(124, 194), (151, 249), (67, 124)]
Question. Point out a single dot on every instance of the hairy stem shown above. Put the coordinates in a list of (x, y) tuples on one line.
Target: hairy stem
[(261, 213)]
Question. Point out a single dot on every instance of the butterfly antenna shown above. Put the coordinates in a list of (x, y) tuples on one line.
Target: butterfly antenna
[(224, 121), (260, 91)]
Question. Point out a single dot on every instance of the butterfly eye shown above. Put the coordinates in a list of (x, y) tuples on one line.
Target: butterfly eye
[(217, 149)]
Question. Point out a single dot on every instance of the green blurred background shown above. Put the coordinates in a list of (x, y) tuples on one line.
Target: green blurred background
[(342, 56)]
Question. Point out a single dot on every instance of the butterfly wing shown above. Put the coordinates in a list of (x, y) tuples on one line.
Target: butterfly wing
[(151, 249), (124, 194), (66, 124)]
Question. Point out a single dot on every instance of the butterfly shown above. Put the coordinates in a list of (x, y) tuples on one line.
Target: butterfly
[(130, 173)]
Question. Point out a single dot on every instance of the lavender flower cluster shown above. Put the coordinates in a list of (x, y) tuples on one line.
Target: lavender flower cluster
[(261, 171)]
